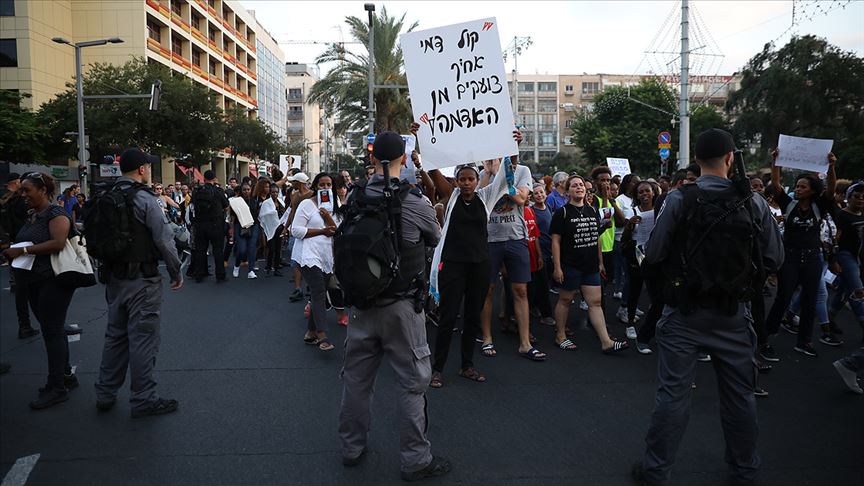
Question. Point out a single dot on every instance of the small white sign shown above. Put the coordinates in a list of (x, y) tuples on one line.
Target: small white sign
[(409, 145), (810, 154), (618, 166), (288, 162), (109, 170), (325, 199)]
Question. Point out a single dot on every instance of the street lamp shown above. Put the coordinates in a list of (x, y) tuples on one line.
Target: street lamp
[(79, 91), (370, 9)]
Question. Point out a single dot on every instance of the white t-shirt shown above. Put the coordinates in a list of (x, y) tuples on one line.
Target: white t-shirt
[(507, 222), (316, 251), (625, 204)]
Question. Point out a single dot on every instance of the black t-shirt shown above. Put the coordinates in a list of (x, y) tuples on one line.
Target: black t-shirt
[(579, 229), (37, 231), (850, 226), (801, 229), (466, 234), (213, 210)]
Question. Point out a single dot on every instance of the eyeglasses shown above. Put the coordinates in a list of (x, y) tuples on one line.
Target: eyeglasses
[(591, 191)]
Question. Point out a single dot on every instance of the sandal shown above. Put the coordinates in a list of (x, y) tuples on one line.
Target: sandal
[(488, 350), (310, 339), (326, 345), (471, 374), (533, 354), (436, 381), (616, 347), (567, 345)]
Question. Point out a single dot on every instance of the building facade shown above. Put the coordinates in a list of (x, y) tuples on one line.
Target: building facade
[(305, 119), (536, 111), (272, 94)]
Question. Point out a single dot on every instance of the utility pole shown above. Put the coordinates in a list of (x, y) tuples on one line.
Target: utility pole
[(684, 108), (370, 9), (515, 47)]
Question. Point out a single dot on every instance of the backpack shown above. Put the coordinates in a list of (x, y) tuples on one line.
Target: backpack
[(716, 255), (366, 245), (204, 200), (108, 221)]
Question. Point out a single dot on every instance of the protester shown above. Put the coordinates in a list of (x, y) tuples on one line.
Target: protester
[(45, 233), (246, 230), (538, 288), (209, 205), (850, 255), (636, 234), (300, 191), (270, 216), (558, 197)]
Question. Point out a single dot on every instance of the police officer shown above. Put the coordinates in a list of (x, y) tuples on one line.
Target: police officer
[(394, 328), (726, 334), (209, 204), (134, 296)]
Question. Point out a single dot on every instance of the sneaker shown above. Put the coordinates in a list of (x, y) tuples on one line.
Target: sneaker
[(704, 358), (789, 327), (438, 467), (72, 329), (806, 349), (760, 392), (251, 275), (640, 313), (354, 461), (622, 315), (631, 332), (27, 332), (236, 272), (617, 295), (549, 321), (583, 305), (643, 348), (158, 407), (49, 398), (850, 378), (768, 354), (830, 339), (295, 296), (763, 366)]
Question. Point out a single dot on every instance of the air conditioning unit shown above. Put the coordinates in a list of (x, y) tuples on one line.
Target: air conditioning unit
[(568, 106)]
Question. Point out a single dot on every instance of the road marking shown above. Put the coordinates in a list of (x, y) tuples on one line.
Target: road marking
[(17, 476)]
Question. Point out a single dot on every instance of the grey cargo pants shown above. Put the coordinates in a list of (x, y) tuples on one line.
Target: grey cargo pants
[(131, 339), (731, 342), (400, 333)]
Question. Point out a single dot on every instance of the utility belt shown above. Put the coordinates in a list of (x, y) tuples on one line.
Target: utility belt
[(127, 271), (416, 292)]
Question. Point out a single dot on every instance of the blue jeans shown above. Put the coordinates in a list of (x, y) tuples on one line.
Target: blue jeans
[(246, 247), (821, 300), (850, 281), (804, 268)]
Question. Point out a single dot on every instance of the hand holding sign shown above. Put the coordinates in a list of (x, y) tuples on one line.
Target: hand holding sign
[(810, 154)]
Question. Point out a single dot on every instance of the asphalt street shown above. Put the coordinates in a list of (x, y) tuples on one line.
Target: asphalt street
[(257, 406)]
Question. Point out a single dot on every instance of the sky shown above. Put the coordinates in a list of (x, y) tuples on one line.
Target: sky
[(576, 37)]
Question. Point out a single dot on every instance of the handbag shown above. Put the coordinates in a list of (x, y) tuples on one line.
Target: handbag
[(72, 266)]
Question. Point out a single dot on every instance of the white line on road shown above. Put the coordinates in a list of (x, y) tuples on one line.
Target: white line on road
[(17, 476)]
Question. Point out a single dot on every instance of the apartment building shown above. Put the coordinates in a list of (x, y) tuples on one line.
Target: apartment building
[(306, 123), (272, 94)]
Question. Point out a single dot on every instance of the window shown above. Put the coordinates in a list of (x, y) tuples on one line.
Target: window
[(547, 106), (212, 4), (154, 31), (568, 123), (590, 88), (525, 106), (547, 139), (7, 8), (568, 88), (196, 22), (196, 57), (212, 68), (176, 46), (547, 122), (547, 87), (175, 7), (8, 53), (295, 93), (211, 33), (526, 87)]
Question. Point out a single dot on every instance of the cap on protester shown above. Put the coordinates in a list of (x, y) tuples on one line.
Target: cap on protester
[(209, 175), (13, 176), (388, 146), (713, 143), (299, 177), (132, 158)]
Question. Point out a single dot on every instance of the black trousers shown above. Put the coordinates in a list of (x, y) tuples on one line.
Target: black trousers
[(209, 235), (50, 302), (757, 310), (458, 281), (646, 332), (21, 309), (802, 268), (274, 250)]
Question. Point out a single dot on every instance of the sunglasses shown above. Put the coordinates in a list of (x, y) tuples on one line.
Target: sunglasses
[(592, 191), (34, 175)]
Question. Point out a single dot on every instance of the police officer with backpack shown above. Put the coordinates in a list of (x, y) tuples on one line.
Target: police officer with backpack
[(134, 289), (209, 204), (710, 241), (389, 322)]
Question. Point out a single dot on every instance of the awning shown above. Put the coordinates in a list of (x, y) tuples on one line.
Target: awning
[(196, 173)]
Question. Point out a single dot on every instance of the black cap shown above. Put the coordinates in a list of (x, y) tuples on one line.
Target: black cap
[(132, 158), (713, 143), (209, 175), (13, 176), (388, 146)]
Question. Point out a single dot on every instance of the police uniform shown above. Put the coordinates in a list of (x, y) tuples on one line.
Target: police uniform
[(134, 296), (728, 337), (209, 229), (393, 328)]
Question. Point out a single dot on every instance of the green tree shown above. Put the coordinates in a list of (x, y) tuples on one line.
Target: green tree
[(21, 135), (249, 137), (344, 90), (620, 127), (807, 88)]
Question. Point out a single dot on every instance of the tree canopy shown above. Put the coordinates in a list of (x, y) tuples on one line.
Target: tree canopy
[(21, 136)]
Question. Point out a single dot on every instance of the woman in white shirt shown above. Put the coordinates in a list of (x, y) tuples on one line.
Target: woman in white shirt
[(315, 227)]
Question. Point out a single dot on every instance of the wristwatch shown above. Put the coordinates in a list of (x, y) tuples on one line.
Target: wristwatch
[(25, 250)]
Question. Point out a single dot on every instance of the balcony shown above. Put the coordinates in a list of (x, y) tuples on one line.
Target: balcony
[(179, 59), (295, 115), (199, 36), (295, 130), (178, 20), (156, 47), (200, 72), (160, 7)]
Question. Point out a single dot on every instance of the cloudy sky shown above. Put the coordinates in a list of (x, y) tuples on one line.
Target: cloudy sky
[(590, 36)]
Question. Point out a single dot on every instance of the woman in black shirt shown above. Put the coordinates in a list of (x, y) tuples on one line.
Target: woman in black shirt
[(46, 229), (579, 265), (850, 229), (803, 262)]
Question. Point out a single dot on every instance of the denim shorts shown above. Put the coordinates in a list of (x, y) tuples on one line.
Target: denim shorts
[(575, 279), (515, 257)]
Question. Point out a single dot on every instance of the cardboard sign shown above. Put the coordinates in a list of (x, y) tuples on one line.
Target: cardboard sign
[(810, 154), (618, 166), (288, 162), (459, 93)]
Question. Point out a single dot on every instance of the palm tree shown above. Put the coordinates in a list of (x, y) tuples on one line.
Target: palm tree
[(344, 90)]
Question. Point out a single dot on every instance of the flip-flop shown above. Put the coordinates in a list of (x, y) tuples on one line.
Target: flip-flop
[(472, 375), (488, 350), (326, 345), (533, 354), (616, 347), (436, 381), (310, 339), (568, 345)]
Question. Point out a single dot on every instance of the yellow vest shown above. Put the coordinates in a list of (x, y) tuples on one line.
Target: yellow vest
[(607, 238)]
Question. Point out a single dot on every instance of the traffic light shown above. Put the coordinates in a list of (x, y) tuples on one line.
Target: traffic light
[(82, 171), (369, 153)]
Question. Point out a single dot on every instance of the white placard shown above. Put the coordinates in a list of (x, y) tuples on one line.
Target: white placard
[(409, 145), (459, 93), (112, 170), (810, 154), (288, 162), (23, 262), (618, 166)]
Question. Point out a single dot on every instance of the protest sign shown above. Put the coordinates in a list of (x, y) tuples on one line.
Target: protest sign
[(618, 166), (409, 145), (810, 154), (288, 162), (459, 93)]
